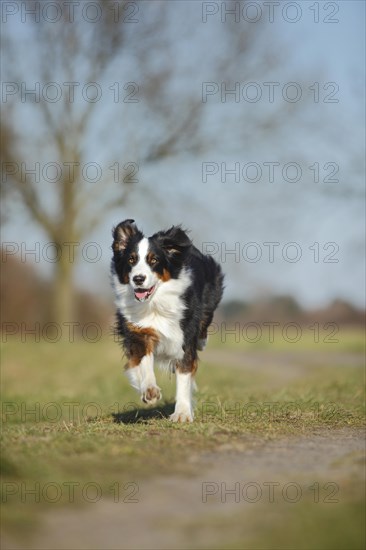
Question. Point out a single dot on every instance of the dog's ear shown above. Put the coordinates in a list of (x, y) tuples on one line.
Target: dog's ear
[(122, 233), (175, 240)]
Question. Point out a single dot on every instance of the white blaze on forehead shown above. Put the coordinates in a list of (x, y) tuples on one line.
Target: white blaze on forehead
[(142, 249), (142, 267)]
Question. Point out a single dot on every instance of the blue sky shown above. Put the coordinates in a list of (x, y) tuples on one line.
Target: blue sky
[(324, 222)]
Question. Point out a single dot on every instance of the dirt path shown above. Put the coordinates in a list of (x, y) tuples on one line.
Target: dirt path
[(170, 512)]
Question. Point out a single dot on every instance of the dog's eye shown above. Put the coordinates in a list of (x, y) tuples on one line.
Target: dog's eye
[(131, 260), (153, 261)]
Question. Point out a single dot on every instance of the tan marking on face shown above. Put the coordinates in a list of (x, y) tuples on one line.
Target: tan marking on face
[(165, 276)]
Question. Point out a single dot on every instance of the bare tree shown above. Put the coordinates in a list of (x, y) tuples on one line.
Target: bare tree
[(131, 61)]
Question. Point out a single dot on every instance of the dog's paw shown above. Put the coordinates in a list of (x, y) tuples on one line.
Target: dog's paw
[(151, 395), (182, 415)]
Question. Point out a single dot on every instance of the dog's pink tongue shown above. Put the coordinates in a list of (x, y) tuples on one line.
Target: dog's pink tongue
[(140, 294)]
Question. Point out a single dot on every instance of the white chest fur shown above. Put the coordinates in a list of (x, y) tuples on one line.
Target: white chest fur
[(163, 312)]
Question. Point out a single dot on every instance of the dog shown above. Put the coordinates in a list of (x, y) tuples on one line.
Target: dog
[(166, 294)]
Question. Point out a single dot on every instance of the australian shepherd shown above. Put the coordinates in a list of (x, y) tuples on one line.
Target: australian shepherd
[(166, 294)]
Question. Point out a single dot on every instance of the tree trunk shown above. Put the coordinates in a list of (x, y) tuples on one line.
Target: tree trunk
[(63, 292), (64, 310)]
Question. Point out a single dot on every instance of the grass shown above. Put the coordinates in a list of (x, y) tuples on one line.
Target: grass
[(306, 526), (70, 416), (285, 336)]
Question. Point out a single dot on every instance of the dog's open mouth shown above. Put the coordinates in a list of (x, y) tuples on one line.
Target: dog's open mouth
[(142, 294)]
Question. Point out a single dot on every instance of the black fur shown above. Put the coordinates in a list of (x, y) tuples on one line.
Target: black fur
[(125, 239), (171, 251), (171, 247), (202, 298)]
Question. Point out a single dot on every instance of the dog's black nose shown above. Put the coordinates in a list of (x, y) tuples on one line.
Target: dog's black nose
[(139, 279)]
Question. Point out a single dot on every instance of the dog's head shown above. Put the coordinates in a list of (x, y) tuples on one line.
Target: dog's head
[(145, 263)]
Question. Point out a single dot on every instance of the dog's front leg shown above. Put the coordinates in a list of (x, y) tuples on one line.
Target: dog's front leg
[(142, 378), (150, 392), (140, 368), (183, 411)]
